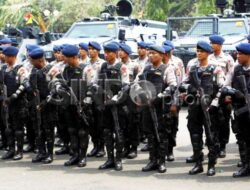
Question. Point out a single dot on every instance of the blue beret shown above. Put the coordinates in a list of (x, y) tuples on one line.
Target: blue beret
[(56, 48), (168, 43), (204, 46), (112, 46), (84, 46), (216, 39), (243, 48), (30, 47), (95, 45), (142, 45), (157, 48), (10, 51), (36, 53), (70, 50), (126, 48), (5, 41), (167, 48)]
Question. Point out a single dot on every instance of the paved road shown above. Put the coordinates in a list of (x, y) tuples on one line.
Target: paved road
[(23, 175)]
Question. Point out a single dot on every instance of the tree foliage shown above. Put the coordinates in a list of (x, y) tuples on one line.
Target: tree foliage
[(13, 11)]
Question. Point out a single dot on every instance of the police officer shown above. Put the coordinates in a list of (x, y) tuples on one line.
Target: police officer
[(177, 64), (44, 129), (3, 144), (226, 62), (161, 77), (131, 131), (143, 54), (30, 129), (13, 76), (96, 131), (62, 128), (238, 100), (57, 54), (83, 53), (204, 74), (142, 60), (77, 128), (176, 61), (113, 70)]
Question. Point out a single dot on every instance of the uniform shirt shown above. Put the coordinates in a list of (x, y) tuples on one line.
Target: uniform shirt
[(88, 74), (218, 72), (95, 65), (57, 69), (27, 65), (142, 62), (133, 68), (86, 60), (179, 68), (225, 61)]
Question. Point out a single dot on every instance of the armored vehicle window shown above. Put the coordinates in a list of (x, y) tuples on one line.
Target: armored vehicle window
[(226, 27), (201, 29), (92, 30), (232, 28)]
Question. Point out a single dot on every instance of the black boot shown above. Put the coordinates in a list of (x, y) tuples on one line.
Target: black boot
[(170, 155), (48, 159), (162, 166), (9, 154), (152, 165), (198, 168), (245, 170), (50, 148), (133, 152), (118, 165), (83, 160), (93, 152), (211, 169), (72, 161), (110, 163), (118, 159), (39, 157), (19, 154), (63, 150)]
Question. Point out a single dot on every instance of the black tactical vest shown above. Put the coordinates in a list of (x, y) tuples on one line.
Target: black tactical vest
[(10, 79), (112, 73), (38, 80), (155, 76), (74, 78), (238, 71), (205, 78)]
